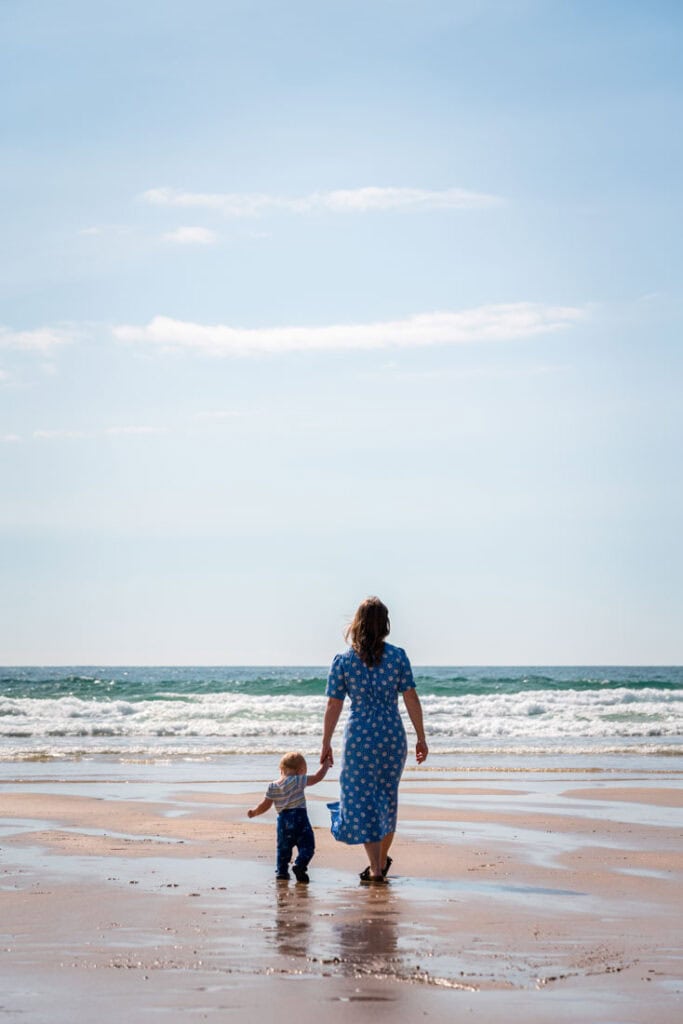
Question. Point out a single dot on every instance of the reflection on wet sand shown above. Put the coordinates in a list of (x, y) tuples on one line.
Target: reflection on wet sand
[(367, 933), (293, 920), (359, 934)]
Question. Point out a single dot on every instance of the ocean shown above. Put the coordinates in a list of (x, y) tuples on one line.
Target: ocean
[(492, 717)]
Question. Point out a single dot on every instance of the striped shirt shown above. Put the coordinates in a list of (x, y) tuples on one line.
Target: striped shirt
[(288, 792)]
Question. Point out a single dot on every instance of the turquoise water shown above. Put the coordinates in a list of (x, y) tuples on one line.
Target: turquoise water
[(204, 712), (149, 683)]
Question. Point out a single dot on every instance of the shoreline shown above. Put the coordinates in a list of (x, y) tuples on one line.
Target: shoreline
[(536, 895)]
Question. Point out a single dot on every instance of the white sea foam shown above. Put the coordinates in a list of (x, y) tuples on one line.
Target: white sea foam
[(228, 722)]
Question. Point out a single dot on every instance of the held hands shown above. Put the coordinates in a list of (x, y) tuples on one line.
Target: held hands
[(326, 756), (421, 751)]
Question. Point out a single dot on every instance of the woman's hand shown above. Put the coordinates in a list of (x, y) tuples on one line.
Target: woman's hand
[(414, 709), (332, 713)]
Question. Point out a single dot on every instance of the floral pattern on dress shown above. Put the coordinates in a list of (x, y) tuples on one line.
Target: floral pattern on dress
[(375, 744)]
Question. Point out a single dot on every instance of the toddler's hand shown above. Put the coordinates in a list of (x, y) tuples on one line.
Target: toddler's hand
[(250, 813)]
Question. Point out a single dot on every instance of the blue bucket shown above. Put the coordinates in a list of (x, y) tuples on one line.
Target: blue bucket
[(334, 810)]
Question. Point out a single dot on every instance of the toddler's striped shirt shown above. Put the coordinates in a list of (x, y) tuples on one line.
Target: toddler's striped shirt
[(288, 792)]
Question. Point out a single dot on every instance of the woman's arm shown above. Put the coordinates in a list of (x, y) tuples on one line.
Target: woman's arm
[(332, 713), (414, 709)]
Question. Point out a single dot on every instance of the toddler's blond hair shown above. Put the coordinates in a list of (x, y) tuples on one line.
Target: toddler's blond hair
[(291, 761)]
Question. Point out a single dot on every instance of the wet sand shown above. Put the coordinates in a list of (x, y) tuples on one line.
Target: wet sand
[(531, 896)]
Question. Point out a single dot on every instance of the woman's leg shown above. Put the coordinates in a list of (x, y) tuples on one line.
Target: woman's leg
[(374, 852), (386, 844)]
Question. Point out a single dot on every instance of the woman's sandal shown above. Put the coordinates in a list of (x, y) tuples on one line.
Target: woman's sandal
[(365, 875)]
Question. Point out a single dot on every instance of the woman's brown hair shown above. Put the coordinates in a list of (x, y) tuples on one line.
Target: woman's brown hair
[(367, 631)]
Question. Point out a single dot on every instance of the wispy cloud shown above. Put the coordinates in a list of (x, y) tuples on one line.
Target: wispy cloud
[(353, 200), (42, 339), (9, 438), (59, 435), (191, 236), (107, 229), (483, 323), (133, 431), (220, 414)]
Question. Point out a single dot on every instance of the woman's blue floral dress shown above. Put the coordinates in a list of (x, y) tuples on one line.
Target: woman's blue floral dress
[(374, 743)]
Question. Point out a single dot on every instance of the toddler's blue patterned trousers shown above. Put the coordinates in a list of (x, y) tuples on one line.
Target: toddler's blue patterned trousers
[(294, 829)]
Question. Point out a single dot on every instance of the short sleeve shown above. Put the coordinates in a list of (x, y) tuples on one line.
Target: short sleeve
[(272, 791), (336, 680), (406, 681)]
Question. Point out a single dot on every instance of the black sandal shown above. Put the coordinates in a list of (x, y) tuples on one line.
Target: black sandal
[(365, 875)]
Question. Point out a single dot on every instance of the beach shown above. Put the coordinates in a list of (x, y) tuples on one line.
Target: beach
[(340, 353), (142, 891)]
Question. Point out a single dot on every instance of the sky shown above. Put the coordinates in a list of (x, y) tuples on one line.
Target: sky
[(305, 302)]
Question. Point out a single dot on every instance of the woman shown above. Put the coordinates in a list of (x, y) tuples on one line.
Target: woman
[(372, 673)]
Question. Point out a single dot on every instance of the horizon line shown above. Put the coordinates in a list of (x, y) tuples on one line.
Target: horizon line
[(303, 664)]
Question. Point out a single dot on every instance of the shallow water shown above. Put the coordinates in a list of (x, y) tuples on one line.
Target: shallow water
[(257, 924)]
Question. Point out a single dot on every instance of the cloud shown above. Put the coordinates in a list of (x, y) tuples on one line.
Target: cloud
[(483, 323), (365, 199), (9, 438), (70, 435), (107, 229), (221, 414), (114, 431), (356, 200), (191, 236), (43, 339), (58, 435)]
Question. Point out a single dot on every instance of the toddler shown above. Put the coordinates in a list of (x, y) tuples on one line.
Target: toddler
[(293, 826)]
